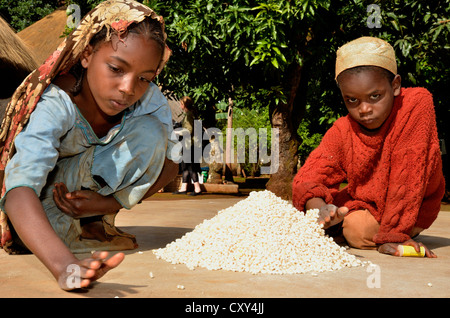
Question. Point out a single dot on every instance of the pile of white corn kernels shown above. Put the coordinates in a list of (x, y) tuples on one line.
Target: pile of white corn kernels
[(261, 234)]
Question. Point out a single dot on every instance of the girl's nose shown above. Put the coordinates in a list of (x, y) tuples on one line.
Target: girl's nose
[(127, 85)]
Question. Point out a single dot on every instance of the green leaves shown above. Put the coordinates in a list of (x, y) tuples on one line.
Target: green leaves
[(267, 51), (22, 13)]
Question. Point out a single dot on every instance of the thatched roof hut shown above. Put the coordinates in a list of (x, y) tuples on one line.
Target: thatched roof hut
[(16, 60), (44, 36)]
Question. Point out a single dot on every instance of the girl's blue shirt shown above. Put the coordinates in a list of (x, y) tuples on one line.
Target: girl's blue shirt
[(57, 130)]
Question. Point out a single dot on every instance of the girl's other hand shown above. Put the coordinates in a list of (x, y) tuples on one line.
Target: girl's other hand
[(83, 203)]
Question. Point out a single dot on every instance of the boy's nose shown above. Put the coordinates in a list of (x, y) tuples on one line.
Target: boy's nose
[(364, 109)]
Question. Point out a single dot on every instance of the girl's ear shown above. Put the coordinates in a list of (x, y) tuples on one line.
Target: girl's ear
[(86, 56), (397, 84)]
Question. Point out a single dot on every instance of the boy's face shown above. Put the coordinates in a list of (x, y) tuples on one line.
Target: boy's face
[(118, 73), (369, 96)]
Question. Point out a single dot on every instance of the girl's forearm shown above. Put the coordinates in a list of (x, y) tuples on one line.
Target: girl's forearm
[(30, 221)]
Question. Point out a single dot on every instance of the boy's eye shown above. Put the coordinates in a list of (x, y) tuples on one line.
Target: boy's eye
[(351, 100), (375, 96), (144, 79)]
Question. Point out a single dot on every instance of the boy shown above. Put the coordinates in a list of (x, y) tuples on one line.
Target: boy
[(386, 148)]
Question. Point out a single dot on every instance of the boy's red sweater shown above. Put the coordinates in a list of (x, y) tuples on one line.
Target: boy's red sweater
[(396, 173)]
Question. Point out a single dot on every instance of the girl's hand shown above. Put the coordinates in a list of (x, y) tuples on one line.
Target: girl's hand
[(392, 248), (83, 203), (330, 215)]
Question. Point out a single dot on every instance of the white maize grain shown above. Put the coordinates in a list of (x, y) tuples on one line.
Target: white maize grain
[(261, 234)]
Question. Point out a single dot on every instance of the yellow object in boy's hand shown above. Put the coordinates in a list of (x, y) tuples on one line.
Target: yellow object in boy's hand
[(406, 250)]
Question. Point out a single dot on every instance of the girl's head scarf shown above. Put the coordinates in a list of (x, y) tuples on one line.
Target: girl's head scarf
[(116, 16)]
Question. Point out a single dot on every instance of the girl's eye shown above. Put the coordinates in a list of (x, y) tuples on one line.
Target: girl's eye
[(114, 69), (375, 96), (351, 100)]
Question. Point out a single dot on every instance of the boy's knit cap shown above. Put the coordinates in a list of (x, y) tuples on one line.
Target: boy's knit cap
[(366, 51)]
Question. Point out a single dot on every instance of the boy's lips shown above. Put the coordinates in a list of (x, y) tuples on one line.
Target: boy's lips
[(367, 121)]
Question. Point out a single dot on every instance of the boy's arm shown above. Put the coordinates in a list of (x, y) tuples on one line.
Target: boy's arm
[(321, 175)]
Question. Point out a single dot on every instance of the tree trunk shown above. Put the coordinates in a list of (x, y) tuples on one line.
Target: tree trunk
[(285, 118)]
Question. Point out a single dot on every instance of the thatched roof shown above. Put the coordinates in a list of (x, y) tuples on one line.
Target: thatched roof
[(16, 60), (44, 36)]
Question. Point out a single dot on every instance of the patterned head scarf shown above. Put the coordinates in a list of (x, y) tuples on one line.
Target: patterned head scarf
[(116, 16), (366, 51)]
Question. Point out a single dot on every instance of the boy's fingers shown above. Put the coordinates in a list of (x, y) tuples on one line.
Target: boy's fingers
[(388, 248), (342, 211)]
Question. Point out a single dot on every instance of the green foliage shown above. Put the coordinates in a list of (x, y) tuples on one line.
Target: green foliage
[(255, 117), (247, 50), (223, 48), (22, 13), (220, 48), (419, 33), (310, 140)]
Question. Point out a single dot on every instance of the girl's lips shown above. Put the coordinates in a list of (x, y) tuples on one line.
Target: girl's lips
[(119, 105)]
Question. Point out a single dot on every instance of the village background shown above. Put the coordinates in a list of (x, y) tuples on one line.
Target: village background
[(259, 65), (266, 64)]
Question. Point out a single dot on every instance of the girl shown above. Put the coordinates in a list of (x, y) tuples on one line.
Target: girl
[(84, 151)]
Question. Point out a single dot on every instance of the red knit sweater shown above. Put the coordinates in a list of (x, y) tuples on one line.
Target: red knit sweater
[(396, 173)]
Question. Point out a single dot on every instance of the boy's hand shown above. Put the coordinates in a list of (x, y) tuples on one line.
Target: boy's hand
[(330, 215), (392, 248), (83, 203)]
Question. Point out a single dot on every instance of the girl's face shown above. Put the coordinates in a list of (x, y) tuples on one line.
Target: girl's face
[(118, 73), (369, 96)]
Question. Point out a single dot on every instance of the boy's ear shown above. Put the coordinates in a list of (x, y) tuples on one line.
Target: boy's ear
[(86, 56), (397, 84)]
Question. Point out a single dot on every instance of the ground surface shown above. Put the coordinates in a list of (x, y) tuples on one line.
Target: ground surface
[(165, 218)]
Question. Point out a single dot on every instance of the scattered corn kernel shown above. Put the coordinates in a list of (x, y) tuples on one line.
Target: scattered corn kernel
[(180, 286), (261, 234)]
